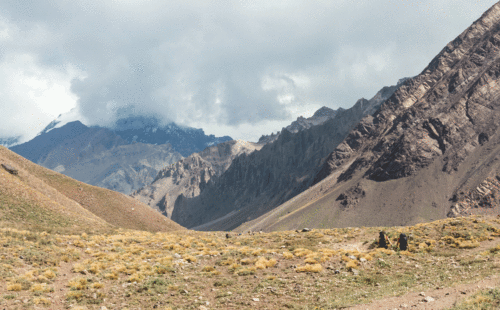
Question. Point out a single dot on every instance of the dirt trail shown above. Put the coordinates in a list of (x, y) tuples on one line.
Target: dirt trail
[(444, 298), (58, 297)]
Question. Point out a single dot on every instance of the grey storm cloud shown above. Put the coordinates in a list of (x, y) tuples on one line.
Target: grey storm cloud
[(219, 65)]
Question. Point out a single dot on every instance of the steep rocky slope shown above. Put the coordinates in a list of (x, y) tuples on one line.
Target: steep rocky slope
[(188, 176), (260, 181), (97, 156), (433, 142), (38, 199)]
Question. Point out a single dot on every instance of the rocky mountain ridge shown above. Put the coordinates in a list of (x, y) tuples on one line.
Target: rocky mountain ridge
[(450, 108), (434, 140), (185, 140), (318, 118), (188, 176), (97, 156), (258, 182)]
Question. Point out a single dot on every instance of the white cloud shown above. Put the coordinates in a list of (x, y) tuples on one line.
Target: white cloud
[(33, 95), (246, 68)]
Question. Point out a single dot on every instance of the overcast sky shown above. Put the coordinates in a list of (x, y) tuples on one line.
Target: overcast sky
[(238, 68)]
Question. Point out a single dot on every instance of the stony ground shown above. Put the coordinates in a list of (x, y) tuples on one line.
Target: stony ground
[(450, 263)]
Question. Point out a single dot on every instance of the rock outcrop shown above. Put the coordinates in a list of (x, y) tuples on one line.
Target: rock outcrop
[(190, 175), (446, 112)]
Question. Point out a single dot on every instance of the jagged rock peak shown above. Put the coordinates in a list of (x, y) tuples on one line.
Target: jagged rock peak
[(319, 117), (325, 111), (445, 60)]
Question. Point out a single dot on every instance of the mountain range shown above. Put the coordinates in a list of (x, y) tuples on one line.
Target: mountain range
[(424, 149), (432, 150), (412, 153), (258, 182), (123, 158), (189, 176)]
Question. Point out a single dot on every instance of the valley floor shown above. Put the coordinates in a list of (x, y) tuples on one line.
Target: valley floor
[(450, 263)]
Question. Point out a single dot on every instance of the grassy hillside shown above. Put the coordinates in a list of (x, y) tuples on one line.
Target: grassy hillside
[(332, 268), (41, 199)]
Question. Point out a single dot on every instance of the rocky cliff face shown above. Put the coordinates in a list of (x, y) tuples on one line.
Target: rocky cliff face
[(425, 154), (256, 183), (190, 175), (98, 156), (446, 112)]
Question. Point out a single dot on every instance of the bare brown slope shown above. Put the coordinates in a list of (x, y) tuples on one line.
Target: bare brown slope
[(65, 202), (362, 202), (434, 139), (27, 202)]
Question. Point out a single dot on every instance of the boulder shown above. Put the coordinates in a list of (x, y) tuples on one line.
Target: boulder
[(10, 169)]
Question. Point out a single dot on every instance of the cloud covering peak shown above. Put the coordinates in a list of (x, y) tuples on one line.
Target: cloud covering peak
[(233, 68)]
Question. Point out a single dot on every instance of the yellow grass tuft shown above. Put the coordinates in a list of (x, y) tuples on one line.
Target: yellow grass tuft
[(41, 288), (245, 271), (310, 260), (16, 287), (247, 261), (470, 244), (287, 255), (136, 277), (234, 266), (41, 301), (263, 263), (111, 276), (74, 295), (78, 267), (97, 285), (302, 252), (309, 268), (208, 269), (368, 257), (49, 274), (351, 264), (78, 284), (189, 258)]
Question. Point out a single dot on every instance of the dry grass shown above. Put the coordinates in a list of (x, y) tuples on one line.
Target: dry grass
[(484, 300), (186, 269)]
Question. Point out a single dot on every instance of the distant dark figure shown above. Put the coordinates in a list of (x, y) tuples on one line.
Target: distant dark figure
[(383, 241), (402, 242)]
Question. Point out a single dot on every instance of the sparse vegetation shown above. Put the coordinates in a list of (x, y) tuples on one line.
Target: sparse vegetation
[(186, 268), (484, 300)]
